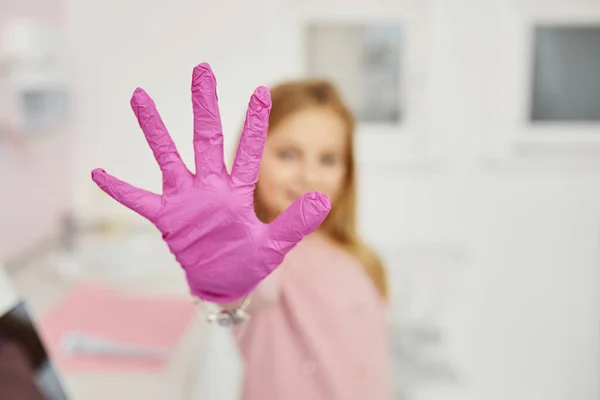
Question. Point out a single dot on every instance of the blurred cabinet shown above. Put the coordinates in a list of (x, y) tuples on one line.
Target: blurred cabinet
[(34, 147)]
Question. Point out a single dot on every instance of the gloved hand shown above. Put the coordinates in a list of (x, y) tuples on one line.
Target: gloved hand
[(207, 219)]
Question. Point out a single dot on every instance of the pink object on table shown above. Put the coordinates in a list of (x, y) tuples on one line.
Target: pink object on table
[(93, 309), (207, 218)]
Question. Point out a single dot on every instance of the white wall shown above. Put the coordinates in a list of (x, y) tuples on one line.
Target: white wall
[(156, 47), (524, 324)]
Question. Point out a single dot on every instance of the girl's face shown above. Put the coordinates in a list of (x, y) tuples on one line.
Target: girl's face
[(305, 152)]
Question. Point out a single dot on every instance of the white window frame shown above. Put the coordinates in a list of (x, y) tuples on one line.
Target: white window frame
[(551, 134), (377, 143)]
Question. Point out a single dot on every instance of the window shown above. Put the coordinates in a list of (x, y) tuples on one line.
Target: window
[(363, 61), (566, 74), (44, 108)]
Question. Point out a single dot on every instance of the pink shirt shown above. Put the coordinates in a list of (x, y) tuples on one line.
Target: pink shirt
[(318, 330)]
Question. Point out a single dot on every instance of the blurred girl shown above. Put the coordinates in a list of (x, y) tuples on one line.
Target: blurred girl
[(318, 326)]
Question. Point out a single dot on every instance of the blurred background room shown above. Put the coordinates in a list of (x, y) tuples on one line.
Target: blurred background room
[(479, 175)]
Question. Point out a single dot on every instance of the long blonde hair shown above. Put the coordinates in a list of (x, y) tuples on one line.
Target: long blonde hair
[(340, 225)]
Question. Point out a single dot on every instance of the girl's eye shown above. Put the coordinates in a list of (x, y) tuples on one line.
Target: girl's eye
[(329, 159), (286, 155)]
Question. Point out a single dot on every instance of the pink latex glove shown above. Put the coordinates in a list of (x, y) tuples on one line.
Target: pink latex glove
[(207, 219)]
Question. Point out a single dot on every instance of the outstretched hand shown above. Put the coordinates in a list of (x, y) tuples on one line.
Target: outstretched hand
[(207, 218)]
